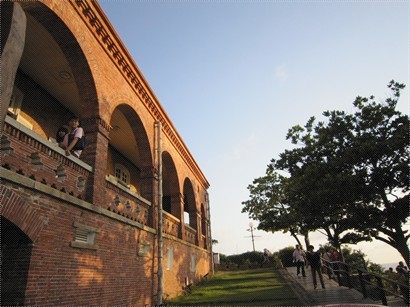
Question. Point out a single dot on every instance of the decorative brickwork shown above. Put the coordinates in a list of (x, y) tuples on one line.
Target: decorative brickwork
[(92, 13), (85, 229)]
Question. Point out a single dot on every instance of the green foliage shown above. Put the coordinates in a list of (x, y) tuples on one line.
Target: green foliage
[(375, 268), (223, 259), (245, 258), (285, 255), (347, 177), (356, 258)]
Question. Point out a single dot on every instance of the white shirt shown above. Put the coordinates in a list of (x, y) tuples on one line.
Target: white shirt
[(299, 255), (78, 133)]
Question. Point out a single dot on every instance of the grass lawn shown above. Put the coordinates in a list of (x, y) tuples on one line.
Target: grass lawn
[(259, 287)]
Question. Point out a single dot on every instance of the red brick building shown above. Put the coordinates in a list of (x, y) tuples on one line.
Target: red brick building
[(85, 231)]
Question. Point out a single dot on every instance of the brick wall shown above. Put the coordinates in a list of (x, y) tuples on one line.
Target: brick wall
[(112, 273), (120, 267)]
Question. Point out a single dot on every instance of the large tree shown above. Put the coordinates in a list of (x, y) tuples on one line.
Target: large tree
[(269, 206), (351, 172)]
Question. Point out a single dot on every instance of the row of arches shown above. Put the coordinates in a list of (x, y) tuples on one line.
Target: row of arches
[(60, 75), (58, 66)]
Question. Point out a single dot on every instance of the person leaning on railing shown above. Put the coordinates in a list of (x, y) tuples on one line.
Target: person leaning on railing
[(403, 280), (71, 139), (392, 275), (327, 268)]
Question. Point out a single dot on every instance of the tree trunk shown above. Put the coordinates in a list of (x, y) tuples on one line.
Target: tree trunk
[(307, 239), (398, 241), (293, 234)]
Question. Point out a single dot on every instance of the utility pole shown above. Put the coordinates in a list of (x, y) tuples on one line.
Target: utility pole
[(251, 228)]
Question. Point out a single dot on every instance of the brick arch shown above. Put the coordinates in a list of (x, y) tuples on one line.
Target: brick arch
[(129, 137), (190, 202), (18, 211), (140, 134), (203, 220), (73, 53), (170, 174), (171, 199)]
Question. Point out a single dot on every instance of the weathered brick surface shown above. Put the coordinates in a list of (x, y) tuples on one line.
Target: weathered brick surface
[(47, 208)]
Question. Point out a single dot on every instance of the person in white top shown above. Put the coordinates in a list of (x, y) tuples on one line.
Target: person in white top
[(72, 138), (299, 257)]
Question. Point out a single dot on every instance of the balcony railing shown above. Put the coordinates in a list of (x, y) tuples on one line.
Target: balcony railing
[(125, 202), (29, 154), (171, 224), (190, 234)]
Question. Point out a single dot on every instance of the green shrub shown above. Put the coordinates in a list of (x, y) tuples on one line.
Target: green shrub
[(285, 255)]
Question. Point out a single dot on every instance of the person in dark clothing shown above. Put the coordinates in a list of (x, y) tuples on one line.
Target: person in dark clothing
[(313, 259), (61, 132)]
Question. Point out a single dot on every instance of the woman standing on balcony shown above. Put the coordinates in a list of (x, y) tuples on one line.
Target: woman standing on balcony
[(70, 140)]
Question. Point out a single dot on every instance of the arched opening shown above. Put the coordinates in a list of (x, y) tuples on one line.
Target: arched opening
[(49, 84), (129, 152), (170, 186), (190, 216), (16, 249), (203, 220)]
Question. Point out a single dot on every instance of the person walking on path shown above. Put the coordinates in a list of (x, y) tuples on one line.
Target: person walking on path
[(313, 259), (299, 257)]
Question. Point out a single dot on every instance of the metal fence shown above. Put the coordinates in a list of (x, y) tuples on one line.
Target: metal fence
[(371, 285)]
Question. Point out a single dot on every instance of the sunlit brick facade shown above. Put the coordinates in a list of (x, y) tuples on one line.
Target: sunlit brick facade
[(85, 231)]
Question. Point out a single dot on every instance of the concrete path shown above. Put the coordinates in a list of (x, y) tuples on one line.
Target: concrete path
[(333, 294)]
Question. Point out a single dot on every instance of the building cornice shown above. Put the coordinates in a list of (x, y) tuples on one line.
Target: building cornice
[(98, 23)]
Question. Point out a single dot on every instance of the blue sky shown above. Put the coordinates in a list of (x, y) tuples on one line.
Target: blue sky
[(234, 76)]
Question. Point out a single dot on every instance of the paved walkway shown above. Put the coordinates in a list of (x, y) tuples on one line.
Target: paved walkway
[(333, 294)]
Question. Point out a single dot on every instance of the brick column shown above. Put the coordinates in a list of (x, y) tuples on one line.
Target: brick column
[(197, 226), (149, 190), (95, 154), (13, 36), (177, 210)]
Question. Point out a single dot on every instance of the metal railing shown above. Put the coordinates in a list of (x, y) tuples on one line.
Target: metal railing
[(371, 285)]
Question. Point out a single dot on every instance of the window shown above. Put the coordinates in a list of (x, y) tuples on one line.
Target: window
[(170, 257), (122, 174), (193, 263)]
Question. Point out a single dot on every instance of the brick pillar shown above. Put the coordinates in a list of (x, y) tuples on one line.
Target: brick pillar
[(195, 218), (13, 36), (96, 154), (197, 226), (204, 223), (149, 181), (177, 210), (149, 190)]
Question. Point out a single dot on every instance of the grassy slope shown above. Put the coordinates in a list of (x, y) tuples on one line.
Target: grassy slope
[(248, 287)]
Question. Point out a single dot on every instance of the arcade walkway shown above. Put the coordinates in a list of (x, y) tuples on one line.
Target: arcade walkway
[(333, 294)]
